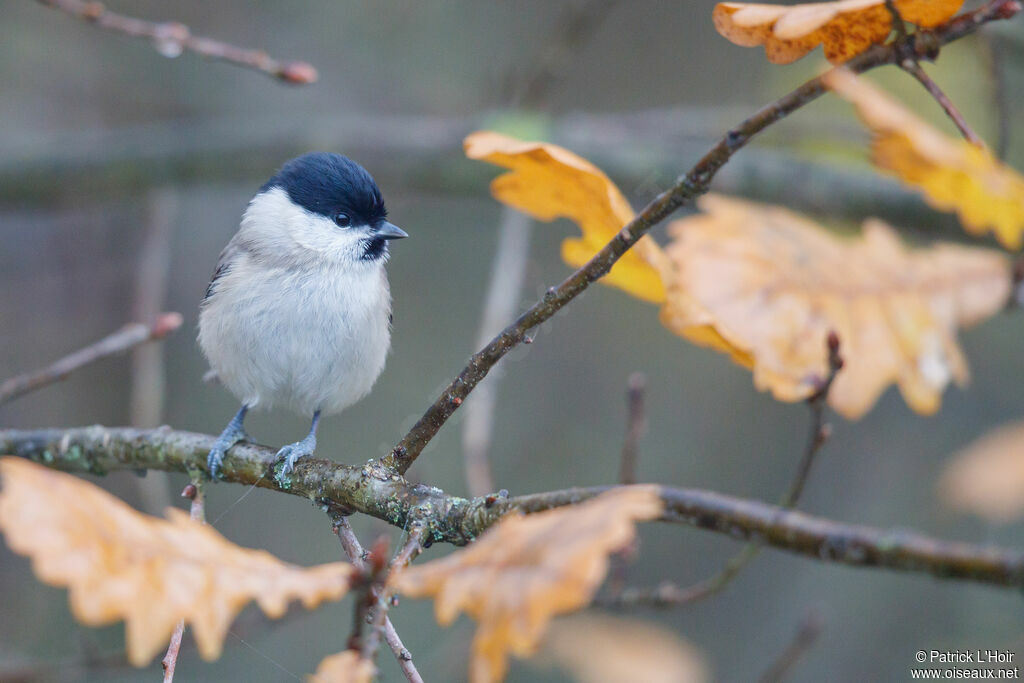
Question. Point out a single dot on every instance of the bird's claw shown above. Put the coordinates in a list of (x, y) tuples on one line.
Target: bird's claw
[(291, 453), (214, 461), (231, 435)]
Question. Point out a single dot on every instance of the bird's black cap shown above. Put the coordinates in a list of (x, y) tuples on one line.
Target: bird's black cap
[(326, 184)]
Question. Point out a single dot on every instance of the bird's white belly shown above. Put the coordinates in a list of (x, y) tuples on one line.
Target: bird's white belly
[(305, 340)]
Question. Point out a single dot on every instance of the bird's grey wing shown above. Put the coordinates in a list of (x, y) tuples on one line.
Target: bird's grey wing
[(228, 258)]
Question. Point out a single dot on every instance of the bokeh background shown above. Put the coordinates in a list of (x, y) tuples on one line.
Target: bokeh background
[(123, 173)]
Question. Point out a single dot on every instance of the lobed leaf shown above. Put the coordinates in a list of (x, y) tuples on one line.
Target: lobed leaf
[(526, 569), (845, 27), (953, 174), (767, 285), (549, 182), (120, 564)]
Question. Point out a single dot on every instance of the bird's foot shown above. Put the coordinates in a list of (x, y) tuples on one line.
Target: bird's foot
[(231, 435), (292, 452)]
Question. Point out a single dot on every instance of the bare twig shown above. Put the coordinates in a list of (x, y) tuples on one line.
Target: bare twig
[(1000, 93), (170, 38), (500, 303), (412, 547), (636, 426), (670, 595), (685, 190), (197, 512), (374, 491), (911, 65), (357, 556), (806, 635), (915, 70), (127, 337)]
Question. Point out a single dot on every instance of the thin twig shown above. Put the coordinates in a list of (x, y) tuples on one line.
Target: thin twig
[(197, 513), (500, 303), (412, 547), (687, 188), (374, 491), (357, 556), (1000, 93), (636, 426), (669, 595), (806, 635), (170, 38), (126, 338), (915, 70), (911, 65)]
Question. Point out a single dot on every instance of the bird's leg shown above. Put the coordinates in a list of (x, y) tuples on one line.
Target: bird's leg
[(299, 449), (231, 435)]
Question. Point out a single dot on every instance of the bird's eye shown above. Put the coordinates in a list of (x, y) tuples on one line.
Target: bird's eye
[(342, 220)]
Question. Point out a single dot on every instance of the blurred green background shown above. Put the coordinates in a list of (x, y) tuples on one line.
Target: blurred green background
[(123, 172)]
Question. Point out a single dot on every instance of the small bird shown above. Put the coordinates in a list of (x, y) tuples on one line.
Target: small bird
[(298, 313)]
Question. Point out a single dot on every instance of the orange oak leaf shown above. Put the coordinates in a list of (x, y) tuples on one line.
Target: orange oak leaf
[(771, 284), (344, 667), (526, 569), (549, 182), (120, 564), (953, 174), (845, 27), (987, 477), (599, 648)]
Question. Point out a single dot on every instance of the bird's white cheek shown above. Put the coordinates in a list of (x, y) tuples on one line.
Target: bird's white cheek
[(322, 236)]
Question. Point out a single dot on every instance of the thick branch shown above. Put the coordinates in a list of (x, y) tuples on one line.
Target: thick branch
[(687, 188), (170, 38), (374, 491)]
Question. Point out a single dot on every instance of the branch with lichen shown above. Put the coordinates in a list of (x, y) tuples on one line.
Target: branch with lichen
[(374, 490)]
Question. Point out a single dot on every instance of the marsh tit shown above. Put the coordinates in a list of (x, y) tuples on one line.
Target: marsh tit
[(298, 313)]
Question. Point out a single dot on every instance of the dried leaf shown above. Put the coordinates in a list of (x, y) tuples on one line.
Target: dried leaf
[(344, 667), (599, 648), (846, 27), (120, 564), (770, 284), (987, 477), (549, 182), (526, 569), (953, 174)]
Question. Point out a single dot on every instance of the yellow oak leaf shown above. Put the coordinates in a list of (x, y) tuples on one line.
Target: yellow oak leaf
[(987, 477), (599, 648), (771, 284), (845, 27), (120, 564), (953, 174), (344, 667), (526, 569), (548, 182)]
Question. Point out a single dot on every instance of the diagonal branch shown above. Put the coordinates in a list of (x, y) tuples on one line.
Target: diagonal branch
[(126, 338), (170, 38), (687, 188), (375, 491)]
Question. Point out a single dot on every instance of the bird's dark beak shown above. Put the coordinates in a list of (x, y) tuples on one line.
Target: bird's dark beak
[(390, 231)]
